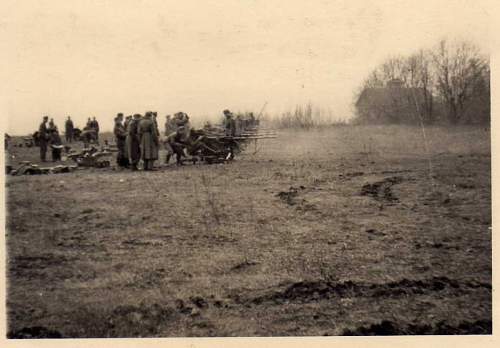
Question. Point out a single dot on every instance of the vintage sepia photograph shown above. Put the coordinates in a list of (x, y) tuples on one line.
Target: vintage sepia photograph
[(247, 168)]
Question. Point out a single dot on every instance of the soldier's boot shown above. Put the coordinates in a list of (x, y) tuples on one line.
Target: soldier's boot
[(179, 159), (43, 154)]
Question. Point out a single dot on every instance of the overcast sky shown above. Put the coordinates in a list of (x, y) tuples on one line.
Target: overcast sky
[(97, 58)]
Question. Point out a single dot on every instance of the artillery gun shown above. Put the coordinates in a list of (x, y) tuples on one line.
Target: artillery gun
[(212, 145), (91, 157), (28, 168)]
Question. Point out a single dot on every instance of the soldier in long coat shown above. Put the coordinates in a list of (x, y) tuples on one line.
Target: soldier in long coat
[(43, 138), (155, 120), (95, 127), (69, 130), (149, 141), (133, 142), (120, 136)]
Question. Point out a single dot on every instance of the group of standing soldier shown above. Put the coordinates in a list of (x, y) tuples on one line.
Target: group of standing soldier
[(137, 136), (92, 129), (234, 126), (48, 134)]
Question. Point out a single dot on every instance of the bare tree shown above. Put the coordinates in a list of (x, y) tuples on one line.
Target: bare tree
[(460, 71), (454, 73), (394, 68), (418, 75)]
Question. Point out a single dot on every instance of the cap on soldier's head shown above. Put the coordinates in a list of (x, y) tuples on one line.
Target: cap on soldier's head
[(137, 115), (227, 112), (119, 114), (45, 117)]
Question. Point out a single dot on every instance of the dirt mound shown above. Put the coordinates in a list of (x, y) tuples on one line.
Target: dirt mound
[(319, 290), (34, 332), (382, 190), (390, 328)]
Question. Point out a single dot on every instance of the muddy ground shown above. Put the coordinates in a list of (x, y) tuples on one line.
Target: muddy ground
[(343, 231)]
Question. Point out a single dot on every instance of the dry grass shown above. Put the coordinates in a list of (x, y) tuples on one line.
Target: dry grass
[(212, 250)]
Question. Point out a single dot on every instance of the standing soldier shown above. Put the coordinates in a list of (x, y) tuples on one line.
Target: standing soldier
[(55, 144), (95, 126), (229, 124), (168, 126), (125, 124), (43, 137), (187, 124), (132, 141), (155, 115), (52, 126), (238, 125), (69, 130), (149, 140), (120, 137)]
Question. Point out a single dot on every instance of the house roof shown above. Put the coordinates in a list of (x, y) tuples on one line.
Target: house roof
[(390, 96)]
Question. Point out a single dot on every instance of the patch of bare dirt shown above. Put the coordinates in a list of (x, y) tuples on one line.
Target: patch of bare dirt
[(390, 328), (320, 290), (382, 190)]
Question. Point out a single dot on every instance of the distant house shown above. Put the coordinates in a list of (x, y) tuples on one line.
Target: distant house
[(393, 103)]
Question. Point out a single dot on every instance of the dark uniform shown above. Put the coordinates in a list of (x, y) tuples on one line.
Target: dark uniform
[(95, 126), (69, 130), (149, 141), (43, 137), (133, 143), (120, 137), (55, 145)]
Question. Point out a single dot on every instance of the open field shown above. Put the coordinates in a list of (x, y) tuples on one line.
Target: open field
[(349, 230)]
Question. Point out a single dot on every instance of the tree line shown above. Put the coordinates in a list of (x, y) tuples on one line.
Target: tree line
[(452, 78)]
